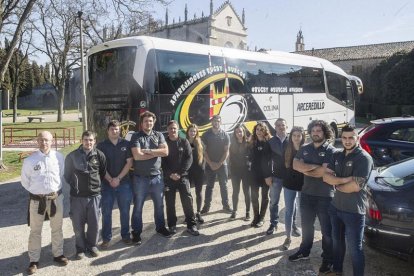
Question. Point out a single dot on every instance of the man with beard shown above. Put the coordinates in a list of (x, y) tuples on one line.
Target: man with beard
[(175, 167), (312, 160), (348, 171)]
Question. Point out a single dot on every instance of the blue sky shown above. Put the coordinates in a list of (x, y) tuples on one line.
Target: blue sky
[(274, 24)]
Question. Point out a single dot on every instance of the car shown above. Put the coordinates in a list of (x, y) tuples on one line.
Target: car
[(389, 140), (389, 224)]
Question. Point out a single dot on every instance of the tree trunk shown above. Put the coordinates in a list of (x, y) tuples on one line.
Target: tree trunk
[(61, 99), (15, 106)]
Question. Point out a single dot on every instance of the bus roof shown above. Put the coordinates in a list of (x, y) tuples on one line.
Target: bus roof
[(203, 49)]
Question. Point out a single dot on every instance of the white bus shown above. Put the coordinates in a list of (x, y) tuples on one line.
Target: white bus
[(191, 82)]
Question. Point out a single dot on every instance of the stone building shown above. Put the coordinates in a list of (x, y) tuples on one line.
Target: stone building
[(357, 60), (223, 27)]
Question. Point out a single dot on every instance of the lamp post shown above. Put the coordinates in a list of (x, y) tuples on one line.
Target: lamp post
[(84, 116)]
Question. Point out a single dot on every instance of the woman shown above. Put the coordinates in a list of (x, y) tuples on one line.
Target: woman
[(261, 170), (239, 167), (292, 182), (196, 172)]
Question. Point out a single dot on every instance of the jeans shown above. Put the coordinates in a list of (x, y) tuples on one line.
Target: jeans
[(123, 196), (142, 186), (238, 178), (221, 173), (310, 208), (183, 187), (85, 211), (349, 226), (275, 190), (290, 212)]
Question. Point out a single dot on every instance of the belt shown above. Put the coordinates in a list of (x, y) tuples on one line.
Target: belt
[(147, 176)]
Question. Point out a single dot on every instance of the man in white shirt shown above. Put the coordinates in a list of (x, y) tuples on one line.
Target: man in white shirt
[(42, 175)]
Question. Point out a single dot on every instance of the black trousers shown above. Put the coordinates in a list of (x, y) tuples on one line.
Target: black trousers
[(183, 187), (259, 213), (244, 179), (197, 179)]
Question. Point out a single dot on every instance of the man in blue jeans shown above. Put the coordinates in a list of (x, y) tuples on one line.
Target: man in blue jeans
[(278, 144), (116, 184), (148, 146), (216, 144), (348, 171), (312, 160)]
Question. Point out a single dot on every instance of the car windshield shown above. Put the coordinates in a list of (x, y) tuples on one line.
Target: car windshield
[(398, 174)]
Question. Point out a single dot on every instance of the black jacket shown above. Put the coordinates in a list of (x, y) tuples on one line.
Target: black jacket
[(83, 172), (261, 160), (179, 159)]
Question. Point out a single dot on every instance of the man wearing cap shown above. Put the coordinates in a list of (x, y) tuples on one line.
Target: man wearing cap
[(42, 175)]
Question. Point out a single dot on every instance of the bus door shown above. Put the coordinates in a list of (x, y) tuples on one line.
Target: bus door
[(286, 109)]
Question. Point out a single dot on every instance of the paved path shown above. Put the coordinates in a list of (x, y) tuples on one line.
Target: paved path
[(225, 247)]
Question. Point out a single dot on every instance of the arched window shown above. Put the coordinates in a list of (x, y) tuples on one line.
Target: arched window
[(228, 44)]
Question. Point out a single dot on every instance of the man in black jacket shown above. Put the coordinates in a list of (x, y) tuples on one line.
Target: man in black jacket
[(84, 168), (175, 167)]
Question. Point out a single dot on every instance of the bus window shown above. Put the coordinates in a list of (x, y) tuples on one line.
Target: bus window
[(339, 87)]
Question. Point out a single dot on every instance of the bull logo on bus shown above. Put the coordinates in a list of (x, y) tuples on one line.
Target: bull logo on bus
[(231, 108)]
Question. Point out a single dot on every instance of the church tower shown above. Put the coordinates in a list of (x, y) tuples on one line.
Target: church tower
[(300, 45)]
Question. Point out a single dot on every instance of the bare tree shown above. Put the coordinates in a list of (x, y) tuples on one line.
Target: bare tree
[(56, 24), (12, 11)]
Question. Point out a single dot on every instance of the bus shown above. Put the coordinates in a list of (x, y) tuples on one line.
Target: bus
[(190, 82)]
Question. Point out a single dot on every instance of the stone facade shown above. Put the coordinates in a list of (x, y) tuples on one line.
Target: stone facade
[(222, 28)]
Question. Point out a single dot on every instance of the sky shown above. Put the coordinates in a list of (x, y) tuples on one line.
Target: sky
[(274, 24)]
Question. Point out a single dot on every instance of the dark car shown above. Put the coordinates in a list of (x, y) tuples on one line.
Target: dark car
[(389, 222), (389, 140)]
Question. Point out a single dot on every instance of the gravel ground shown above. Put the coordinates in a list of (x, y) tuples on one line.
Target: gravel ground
[(224, 247)]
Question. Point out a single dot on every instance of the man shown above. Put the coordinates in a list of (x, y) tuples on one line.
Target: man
[(148, 146), (116, 183), (278, 146), (312, 160), (216, 151), (348, 171), (42, 174), (175, 167), (84, 169)]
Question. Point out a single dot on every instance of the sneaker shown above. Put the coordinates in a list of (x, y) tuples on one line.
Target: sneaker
[(199, 218), (173, 230), (259, 224), (127, 241), (247, 218), (286, 244), (164, 232), (104, 245), (93, 251), (32, 268), (271, 229), (298, 256), (227, 209), (233, 215), (205, 210), (80, 255), (296, 232), (325, 267), (193, 231), (62, 260), (136, 239), (254, 222)]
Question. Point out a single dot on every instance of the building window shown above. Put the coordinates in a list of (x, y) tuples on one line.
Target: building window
[(228, 20), (356, 69), (228, 44)]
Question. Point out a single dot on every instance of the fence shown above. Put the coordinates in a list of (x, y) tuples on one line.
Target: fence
[(14, 137)]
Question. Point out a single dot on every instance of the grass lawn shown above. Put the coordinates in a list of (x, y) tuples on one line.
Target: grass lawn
[(28, 112), (11, 158)]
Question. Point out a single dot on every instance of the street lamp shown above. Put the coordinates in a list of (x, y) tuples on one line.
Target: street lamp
[(84, 118)]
